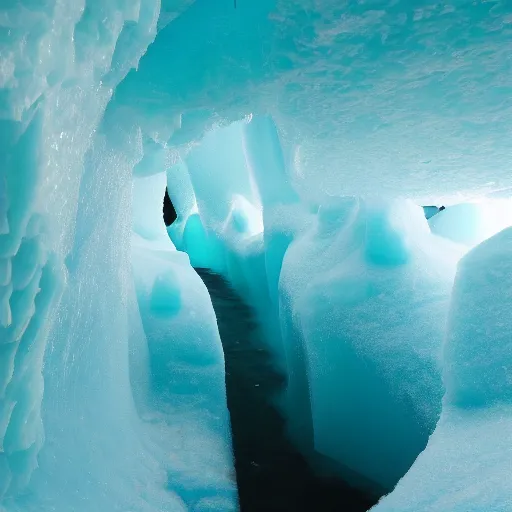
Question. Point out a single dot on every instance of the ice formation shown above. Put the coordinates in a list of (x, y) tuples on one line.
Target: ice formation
[(85, 422), (325, 279), (466, 464), (298, 142)]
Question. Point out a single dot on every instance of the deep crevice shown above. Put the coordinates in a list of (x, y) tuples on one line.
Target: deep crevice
[(169, 211), (271, 474)]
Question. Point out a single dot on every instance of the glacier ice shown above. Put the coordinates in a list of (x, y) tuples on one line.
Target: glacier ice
[(358, 313), (466, 464), (297, 140), (360, 290), (325, 279), (385, 90), (83, 425)]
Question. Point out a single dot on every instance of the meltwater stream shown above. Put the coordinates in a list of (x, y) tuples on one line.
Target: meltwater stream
[(271, 474)]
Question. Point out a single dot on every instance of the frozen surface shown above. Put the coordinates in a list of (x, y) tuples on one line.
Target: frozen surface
[(83, 424), (366, 291), (466, 465), (353, 294), (186, 386), (263, 117), (410, 95)]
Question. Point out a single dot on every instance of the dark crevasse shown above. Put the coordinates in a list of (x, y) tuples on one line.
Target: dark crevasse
[(168, 210), (271, 474)]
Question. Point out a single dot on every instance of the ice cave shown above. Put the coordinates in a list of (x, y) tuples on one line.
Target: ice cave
[(323, 322)]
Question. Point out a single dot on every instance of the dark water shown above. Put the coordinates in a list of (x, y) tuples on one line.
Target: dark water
[(271, 475)]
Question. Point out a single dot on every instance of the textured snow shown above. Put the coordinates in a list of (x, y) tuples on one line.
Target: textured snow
[(366, 290), (185, 358), (83, 424), (296, 137), (353, 294), (469, 224), (411, 95), (466, 465)]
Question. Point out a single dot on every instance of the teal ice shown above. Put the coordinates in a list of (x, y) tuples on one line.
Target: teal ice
[(299, 141)]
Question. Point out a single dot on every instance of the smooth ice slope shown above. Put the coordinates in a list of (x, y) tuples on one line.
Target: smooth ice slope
[(466, 465)]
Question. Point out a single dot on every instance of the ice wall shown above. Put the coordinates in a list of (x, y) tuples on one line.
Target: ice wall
[(373, 100), (408, 95), (366, 291), (52, 101), (353, 294), (466, 464), (74, 364)]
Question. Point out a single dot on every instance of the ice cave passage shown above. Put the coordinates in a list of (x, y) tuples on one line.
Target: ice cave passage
[(311, 331)]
